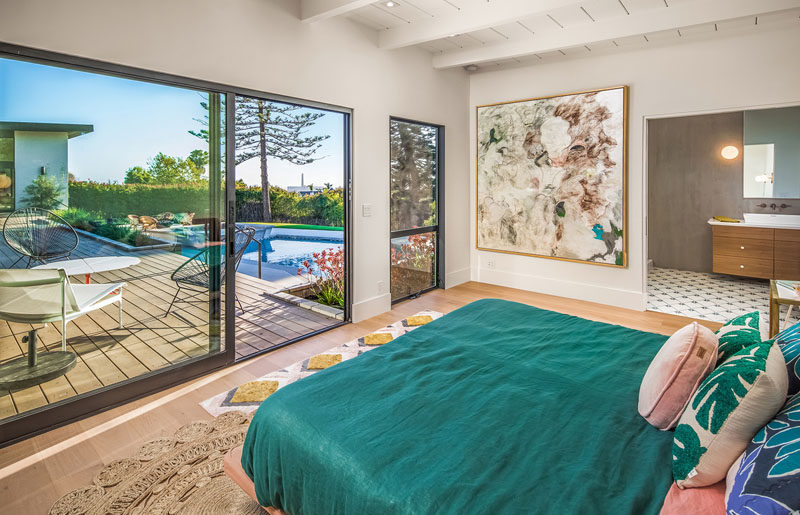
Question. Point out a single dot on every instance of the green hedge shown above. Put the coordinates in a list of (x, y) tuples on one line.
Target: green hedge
[(120, 200), (323, 208)]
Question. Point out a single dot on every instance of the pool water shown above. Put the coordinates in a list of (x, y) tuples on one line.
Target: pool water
[(283, 252), (288, 252)]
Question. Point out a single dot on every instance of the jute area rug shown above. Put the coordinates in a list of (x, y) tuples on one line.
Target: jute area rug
[(181, 474)]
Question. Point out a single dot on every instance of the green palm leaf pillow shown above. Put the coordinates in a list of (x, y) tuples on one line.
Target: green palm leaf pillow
[(741, 332), (727, 410)]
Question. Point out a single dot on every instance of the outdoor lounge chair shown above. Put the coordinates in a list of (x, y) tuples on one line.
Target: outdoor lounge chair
[(39, 235), (148, 222), (195, 274), (42, 297)]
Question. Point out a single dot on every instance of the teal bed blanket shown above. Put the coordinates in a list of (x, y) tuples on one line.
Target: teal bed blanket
[(497, 407)]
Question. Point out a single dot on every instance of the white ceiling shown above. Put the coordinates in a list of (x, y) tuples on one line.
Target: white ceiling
[(488, 33)]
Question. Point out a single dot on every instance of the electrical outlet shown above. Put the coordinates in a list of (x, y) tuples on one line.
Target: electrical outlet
[(490, 263), (381, 287), (366, 210)]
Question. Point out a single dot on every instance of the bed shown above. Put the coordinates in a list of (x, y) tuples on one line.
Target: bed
[(497, 407)]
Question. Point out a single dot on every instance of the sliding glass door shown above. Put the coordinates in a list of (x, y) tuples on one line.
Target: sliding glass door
[(415, 207), (119, 185), (168, 209), (290, 218)]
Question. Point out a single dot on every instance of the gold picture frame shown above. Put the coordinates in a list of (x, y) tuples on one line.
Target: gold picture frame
[(608, 240)]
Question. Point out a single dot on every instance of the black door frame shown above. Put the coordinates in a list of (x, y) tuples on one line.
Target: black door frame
[(50, 416), (439, 227)]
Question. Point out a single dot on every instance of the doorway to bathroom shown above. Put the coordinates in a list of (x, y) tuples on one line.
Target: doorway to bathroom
[(722, 212)]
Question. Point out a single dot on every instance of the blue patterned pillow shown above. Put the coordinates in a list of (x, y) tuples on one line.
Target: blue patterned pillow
[(789, 342), (767, 480)]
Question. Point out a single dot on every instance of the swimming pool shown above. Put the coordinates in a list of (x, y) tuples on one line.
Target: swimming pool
[(289, 252), (281, 252)]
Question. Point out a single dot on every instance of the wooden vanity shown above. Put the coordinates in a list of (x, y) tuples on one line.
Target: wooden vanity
[(751, 251)]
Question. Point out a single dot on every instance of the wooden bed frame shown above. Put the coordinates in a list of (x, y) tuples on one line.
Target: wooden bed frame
[(234, 470)]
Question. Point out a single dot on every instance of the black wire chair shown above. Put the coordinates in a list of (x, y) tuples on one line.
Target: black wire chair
[(39, 235), (195, 274)]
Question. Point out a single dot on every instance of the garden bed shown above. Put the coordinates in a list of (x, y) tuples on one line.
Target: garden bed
[(159, 245), (299, 296), (116, 232)]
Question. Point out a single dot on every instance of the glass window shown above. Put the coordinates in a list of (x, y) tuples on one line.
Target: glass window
[(120, 184), (414, 166), (414, 189)]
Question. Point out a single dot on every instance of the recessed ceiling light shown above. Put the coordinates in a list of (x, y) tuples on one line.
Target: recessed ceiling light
[(389, 4), (452, 35)]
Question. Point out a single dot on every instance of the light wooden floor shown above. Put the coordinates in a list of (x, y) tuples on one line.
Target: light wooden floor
[(36, 472), (149, 341)]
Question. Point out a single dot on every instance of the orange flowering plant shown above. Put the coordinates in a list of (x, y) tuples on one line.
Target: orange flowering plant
[(327, 279)]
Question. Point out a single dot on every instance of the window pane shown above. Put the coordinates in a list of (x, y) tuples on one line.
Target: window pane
[(290, 193), (413, 263), (124, 183), (413, 175)]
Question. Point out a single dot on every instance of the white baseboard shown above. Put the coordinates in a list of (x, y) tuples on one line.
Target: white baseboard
[(629, 299), (455, 278), (372, 307)]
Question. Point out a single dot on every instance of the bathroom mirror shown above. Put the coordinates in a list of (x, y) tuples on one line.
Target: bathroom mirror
[(772, 153)]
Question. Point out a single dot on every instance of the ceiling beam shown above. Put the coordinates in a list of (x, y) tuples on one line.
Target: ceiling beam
[(317, 10), (480, 16), (676, 16)]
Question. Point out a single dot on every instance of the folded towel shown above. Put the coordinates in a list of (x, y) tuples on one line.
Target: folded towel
[(726, 219)]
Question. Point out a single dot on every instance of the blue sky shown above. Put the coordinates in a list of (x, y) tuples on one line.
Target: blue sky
[(133, 121)]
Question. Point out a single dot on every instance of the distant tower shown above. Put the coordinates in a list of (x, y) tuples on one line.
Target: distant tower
[(302, 180)]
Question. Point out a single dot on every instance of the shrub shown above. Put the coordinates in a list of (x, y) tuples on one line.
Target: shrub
[(44, 192), (114, 231), (323, 208), (120, 200), (80, 218), (327, 282)]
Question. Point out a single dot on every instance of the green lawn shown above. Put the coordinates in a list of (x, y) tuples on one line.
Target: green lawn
[(300, 226)]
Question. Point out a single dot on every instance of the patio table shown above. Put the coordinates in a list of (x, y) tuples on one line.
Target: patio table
[(93, 265)]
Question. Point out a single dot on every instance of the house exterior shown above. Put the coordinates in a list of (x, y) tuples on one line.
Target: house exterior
[(30, 149)]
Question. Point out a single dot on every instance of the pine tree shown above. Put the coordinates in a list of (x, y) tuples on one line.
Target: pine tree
[(271, 129), (413, 177)]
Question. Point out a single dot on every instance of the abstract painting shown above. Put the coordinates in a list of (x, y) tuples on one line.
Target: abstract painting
[(551, 176)]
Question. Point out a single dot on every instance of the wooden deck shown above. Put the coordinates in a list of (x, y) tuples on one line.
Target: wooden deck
[(149, 340)]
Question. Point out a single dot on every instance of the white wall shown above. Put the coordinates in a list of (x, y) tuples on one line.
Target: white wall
[(260, 44), (34, 150), (718, 74)]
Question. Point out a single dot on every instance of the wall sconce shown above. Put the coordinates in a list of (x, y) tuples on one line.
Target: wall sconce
[(729, 152)]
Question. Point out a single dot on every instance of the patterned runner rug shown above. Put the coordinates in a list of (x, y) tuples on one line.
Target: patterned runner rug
[(248, 396)]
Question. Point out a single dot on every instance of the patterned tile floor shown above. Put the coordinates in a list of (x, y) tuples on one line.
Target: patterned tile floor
[(707, 296)]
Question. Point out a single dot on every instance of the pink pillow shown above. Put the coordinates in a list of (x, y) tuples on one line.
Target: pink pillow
[(704, 500), (675, 373)]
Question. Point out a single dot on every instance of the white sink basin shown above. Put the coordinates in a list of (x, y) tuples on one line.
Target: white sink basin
[(772, 219)]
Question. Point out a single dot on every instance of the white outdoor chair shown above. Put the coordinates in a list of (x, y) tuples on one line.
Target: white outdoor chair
[(43, 297)]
